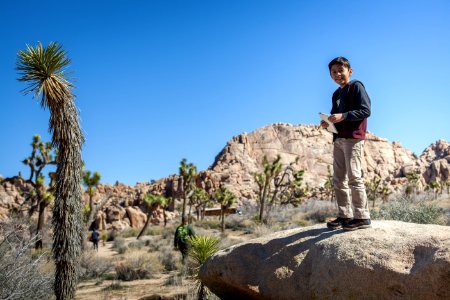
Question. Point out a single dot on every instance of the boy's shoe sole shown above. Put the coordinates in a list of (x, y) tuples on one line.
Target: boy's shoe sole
[(357, 227)]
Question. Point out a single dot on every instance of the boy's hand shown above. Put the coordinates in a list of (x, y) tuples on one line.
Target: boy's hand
[(336, 118), (324, 124)]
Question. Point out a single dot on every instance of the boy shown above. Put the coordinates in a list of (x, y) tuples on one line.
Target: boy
[(349, 113)]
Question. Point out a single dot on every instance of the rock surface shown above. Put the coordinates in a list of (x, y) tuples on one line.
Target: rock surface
[(391, 260)]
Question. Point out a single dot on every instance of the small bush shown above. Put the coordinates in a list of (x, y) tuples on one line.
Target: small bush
[(168, 259), (114, 286), (21, 274), (168, 232), (318, 211), (130, 232), (262, 230), (138, 244), (138, 266), (404, 210), (120, 245), (93, 266)]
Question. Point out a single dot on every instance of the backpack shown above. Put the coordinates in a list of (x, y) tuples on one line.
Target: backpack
[(94, 236), (182, 232)]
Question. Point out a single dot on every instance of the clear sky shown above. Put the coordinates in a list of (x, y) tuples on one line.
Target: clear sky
[(158, 81)]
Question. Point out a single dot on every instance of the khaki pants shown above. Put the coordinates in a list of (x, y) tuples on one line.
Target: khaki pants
[(348, 178)]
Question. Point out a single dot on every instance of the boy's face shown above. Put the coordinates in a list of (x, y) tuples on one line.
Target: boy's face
[(340, 74)]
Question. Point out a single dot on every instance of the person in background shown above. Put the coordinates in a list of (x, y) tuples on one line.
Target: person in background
[(181, 239)]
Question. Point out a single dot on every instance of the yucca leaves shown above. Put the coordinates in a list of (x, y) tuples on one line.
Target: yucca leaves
[(44, 71), (202, 247)]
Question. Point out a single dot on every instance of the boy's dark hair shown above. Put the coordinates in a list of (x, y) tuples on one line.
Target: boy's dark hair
[(342, 61)]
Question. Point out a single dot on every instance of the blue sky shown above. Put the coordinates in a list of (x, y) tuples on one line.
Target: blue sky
[(158, 81)]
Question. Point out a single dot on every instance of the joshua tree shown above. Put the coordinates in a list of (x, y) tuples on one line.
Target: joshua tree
[(91, 183), (226, 198), (328, 186), (153, 202), (372, 187), (279, 185), (264, 181), (200, 199), (41, 197), (413, 180), (44, 70), (202, 247), (187, 174), (435, 186)]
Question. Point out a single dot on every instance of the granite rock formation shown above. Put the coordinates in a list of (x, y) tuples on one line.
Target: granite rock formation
[(391, 260), (235, 165)]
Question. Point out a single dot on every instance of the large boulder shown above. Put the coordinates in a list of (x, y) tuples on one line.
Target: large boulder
[(391, 260)]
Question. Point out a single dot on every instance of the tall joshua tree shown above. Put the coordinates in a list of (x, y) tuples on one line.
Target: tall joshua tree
[(91, 183), (187, 172), (44, 70)]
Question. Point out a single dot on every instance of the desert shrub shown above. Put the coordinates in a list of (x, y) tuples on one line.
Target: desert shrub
[(209, 223), (93, 266), (130, 232), (262, 230), (168, 259), (318, 211), (120, 245), (156, 244), (168, 232), (174, 280), (239, 222), (21, 274), (138, 244), (137, 266), (114, 286), (406, 211), (155, 230)]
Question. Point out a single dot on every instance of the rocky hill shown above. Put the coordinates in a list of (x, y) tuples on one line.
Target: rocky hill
[(242, 156)]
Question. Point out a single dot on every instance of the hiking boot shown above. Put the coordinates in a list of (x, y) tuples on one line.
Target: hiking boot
[(357, 224), (337, 223)]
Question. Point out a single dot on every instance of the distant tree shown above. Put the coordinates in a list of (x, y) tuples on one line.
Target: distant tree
[(153, 202), (187, 173), (279, 185), (226, 199), (264, 181), (447, 185), (200, 200), (385, 191), (413, 181), (91, 181), (372, 187), (434, 186), (44, 70), (41, 196), (328, 186)]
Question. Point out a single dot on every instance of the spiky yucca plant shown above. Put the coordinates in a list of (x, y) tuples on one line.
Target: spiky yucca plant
[(202, 247), (44, 70)]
